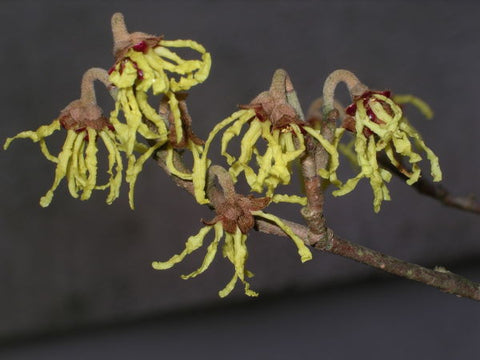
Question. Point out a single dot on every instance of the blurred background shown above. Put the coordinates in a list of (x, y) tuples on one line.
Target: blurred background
[(75, 278)]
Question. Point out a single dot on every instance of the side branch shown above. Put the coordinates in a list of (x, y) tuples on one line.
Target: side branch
[(435, 190), (438, 278)]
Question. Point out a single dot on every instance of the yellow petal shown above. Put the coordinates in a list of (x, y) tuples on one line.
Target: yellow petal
[(293, 199), (193, 243), (240, 253), (211, 252), (421, 105), (135, 166), (303, 250), (37, 135), (114, 157), (74, 175), (61, 169), (91, 163), (241, 117)]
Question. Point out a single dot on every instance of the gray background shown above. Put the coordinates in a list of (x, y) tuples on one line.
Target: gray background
[(78, 264)]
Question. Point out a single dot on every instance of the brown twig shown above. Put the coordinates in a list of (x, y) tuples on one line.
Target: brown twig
[(434, 190), (282, 88), (438, 278)]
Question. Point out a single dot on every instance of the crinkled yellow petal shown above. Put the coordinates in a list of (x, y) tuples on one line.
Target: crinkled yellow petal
[(247, 145), (173, 103), (363, 119), (81, 167), (229, 287), (38, 136), (177, 64), (303, 250), (240, 253), (257, 183), (91, 163), (61, 169), (151, 114), (274, 164), (135, 166), (331, 149), (171, 166), (201, 164), (434, 162), (126, 102), (153, 72), (349, 185), (296, 152), (193, 243), (74, 175), (211, 252), (114, 157), (46, 152), (230, 249), (241, 117), (247, 289), (421, 105), (293, 199), (366, 150), (199, 173), (385, 130), (125, 78), (286, 142), (362, 160), (380, 191), (197, 70)]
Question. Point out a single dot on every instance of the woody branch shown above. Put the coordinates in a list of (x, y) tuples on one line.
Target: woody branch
[(317, 235)]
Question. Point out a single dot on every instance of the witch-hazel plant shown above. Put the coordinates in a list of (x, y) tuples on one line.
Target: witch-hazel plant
[(84, 123), (148, 82)]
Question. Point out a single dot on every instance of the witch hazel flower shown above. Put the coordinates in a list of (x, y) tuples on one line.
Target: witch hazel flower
[(272, 119), (77, 161), (379, 125), (235, 217), (146, 63)]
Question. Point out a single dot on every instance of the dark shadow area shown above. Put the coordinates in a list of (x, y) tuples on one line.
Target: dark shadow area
[(378, 317)]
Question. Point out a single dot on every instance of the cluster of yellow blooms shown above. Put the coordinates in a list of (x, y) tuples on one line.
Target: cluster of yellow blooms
[(143, 63), (145, 66), (379, 125), (235, 218)]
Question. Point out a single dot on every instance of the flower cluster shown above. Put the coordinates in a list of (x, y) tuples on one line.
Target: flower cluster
[(143, 64), (235, 218), (84, 123), (272, 118), (273, 131), (379, 125), (146, 63)]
